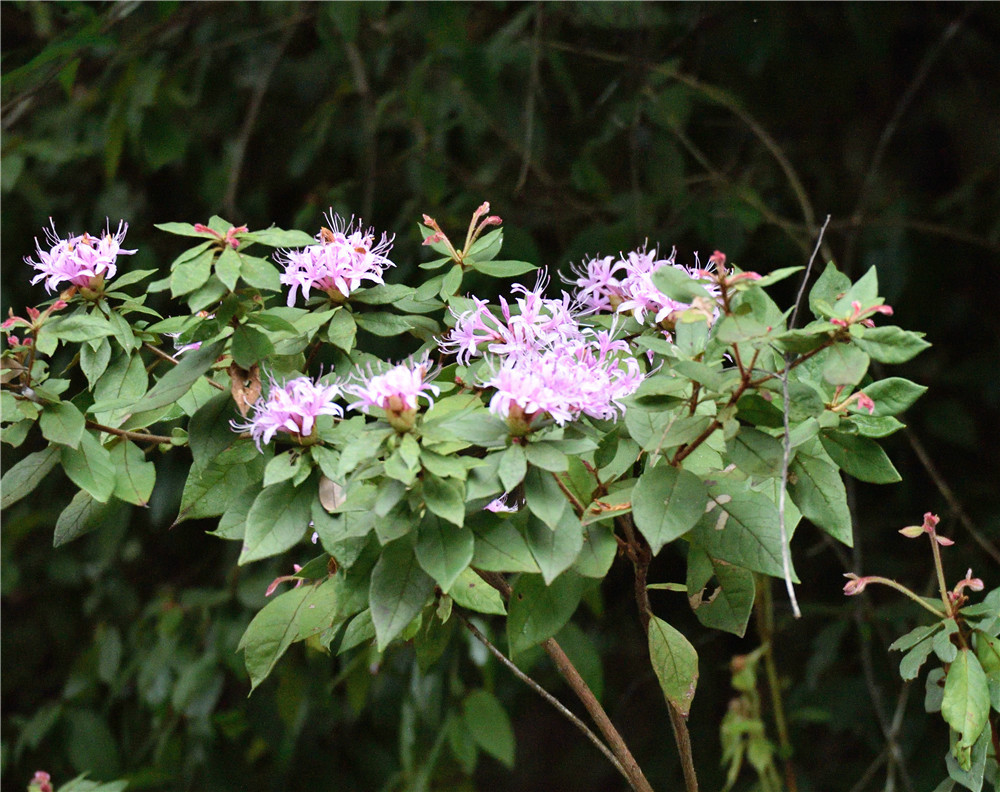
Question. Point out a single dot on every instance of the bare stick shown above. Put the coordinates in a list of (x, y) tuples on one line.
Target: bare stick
[(139, 437), (786, 453), (583, 692), (542, 692)]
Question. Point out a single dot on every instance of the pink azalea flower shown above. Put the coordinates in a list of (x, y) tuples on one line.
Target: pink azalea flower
[(589, 377), (537, 323), (395, 390), (78, 260), (345, 255), (291, 408)]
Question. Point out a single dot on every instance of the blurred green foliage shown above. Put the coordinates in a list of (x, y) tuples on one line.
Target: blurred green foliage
[(590, 128)]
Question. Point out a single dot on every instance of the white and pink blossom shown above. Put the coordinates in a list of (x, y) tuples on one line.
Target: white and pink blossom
[(394, 390), (344, 257), (291, 408), (80, 260)]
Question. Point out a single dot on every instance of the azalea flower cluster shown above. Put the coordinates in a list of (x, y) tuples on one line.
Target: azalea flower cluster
[(542, 362), (538, 323), (623, 285), (80, 260), (345, 255), (293, 408)]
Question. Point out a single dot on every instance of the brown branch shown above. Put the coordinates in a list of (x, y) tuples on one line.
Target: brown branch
[(477, 634), (636, 778), (164, 356), (139, 437), (949, 494), (579, 507)]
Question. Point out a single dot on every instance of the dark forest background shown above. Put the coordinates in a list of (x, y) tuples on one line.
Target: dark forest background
[(591, 128)]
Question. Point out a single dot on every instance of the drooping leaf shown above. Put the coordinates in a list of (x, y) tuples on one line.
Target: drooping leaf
[(443, 549), (966, 703), (488, 723), (20, 479), (675, 663), (277, 520), (860, 457), (667, 502), (555, 549), (537, 611), (399, 590), (134, 475), (817, 489)]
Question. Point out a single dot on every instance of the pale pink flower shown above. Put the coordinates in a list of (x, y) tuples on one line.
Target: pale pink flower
[(536, 323), (291, 408), (345, 255), (499, 505), (395, 390), (78, 260)]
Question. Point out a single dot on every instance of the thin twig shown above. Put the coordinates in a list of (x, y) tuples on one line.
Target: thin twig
[(566, 713), (171, 359), (138, 437), (949, 494), (786, 452), (529, 108), (250, 120), (583, 692)]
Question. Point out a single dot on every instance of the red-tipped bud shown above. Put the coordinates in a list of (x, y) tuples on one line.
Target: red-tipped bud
[(483, 209), (930, 522), (718, 258), (202, 228), (58, 305), (854, 585), (491, 221), (865, 403), (437, 236)]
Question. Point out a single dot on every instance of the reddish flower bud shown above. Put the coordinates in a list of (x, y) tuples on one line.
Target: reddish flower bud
[(865, 403), (855, 584)]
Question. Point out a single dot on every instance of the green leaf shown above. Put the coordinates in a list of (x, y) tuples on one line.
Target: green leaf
[(555, 549), (183, 229), (260, 273), (90, 467), (547, 457), (513, 467), (860, 457), (864, 291), (191, 272), (209, 432), (209, 490), (342, 330), (443, 550), (678, 284), (81, 516), (270, 633), (277, 520), (893, 395), (78, 328), (598, 551), (278, 237), (667, 502), (124, 382), (843, 364), (503, 269), (134, 476), (500, 547), (828, 288), (178, 381), (250, 346), (94, 360), (755, 452), (399, 590), (445, 497), (489, 725), (911, 662), (486, 247), (966, 703), (537, 611), (385, 324), (21, 479), (728, 606), (741, 527), (915, 636), (818, 492), (472, 592), (675, 663), (227, 267), (891, 344), (544, 498)]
